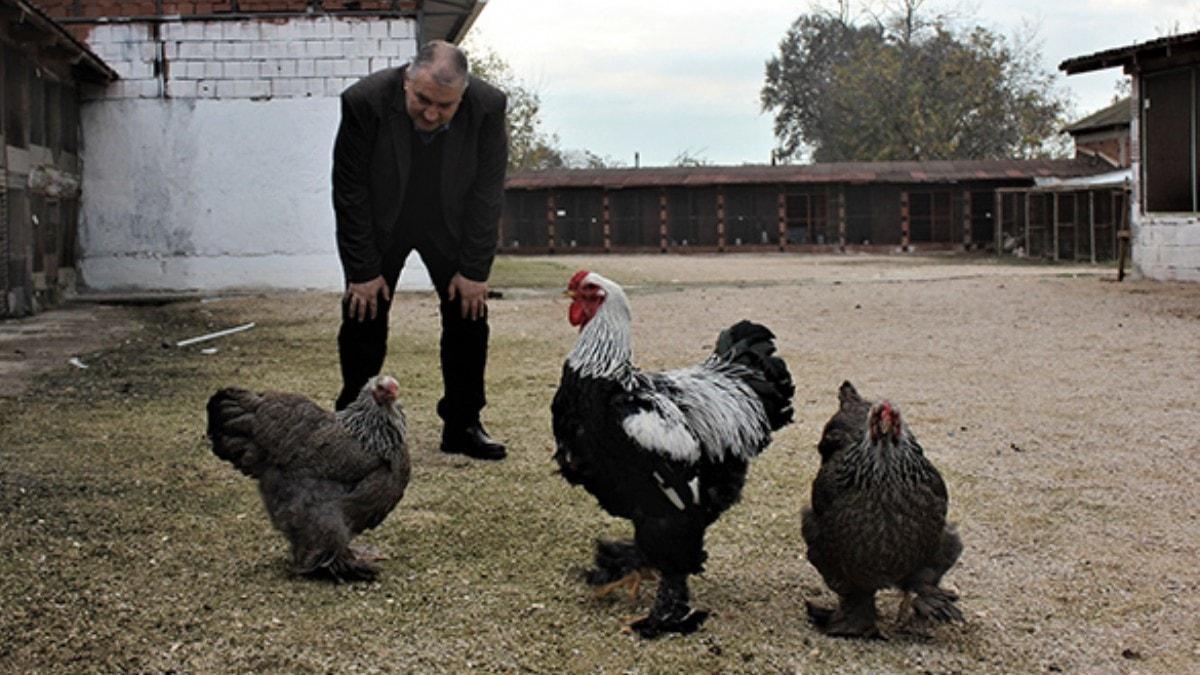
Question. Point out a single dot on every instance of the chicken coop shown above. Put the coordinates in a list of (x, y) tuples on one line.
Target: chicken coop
[(1077, 219), (948, 205)]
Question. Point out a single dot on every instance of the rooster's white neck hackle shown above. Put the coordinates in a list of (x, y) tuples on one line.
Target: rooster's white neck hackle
[(604, 347)]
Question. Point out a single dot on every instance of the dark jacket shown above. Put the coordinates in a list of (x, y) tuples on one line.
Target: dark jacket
[(371, 159)]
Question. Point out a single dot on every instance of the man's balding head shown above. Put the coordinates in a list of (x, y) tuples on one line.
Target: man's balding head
[(443, 62), (434, 85)]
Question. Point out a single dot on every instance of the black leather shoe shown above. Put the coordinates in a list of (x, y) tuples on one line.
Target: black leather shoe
[(472, 441)]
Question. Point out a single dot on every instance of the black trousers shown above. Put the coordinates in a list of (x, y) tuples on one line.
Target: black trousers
[(362, 345)]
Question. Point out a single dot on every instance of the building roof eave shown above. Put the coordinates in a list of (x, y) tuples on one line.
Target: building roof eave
[(1130, 56), (85, 65)]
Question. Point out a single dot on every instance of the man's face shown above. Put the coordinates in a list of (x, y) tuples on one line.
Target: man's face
[(429, 104)]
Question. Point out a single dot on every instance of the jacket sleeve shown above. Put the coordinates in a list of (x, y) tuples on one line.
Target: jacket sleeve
[(356, 236), (485, 198)]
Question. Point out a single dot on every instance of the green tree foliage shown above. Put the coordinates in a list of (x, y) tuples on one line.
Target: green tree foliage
[(908, 87), (529, 146)]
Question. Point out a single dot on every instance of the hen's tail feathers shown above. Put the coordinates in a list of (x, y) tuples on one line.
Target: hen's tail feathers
[(231, 428), (753, 346)]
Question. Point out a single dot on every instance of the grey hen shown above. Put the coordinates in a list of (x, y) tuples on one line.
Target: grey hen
[(324, 477), (878, 519)]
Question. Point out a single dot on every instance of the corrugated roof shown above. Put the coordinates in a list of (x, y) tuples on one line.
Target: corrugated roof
[(949, 171), (1118, 114), (1130, 54)]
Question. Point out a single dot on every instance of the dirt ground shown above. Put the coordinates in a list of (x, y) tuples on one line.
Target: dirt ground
[(35, 344), (1055, 401)]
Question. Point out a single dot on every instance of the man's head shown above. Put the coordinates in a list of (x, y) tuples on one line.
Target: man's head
[(434, 84)]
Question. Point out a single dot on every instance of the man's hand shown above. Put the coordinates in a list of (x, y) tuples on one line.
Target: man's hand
[(364, 297), (472, 296)]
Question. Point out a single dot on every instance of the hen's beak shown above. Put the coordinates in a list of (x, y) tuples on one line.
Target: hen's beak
[(569, 294)]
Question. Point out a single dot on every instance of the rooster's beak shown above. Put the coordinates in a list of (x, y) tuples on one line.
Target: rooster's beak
[(569, 294)]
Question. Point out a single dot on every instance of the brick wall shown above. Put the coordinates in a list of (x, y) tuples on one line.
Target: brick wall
[(317, 56), (116, 9)]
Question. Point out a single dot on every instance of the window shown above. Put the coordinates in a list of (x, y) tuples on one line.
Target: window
[(1170, 117), (931, 218), (807, 215)]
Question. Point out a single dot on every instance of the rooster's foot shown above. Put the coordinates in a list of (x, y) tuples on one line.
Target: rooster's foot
[(632, 583), (684, 621)]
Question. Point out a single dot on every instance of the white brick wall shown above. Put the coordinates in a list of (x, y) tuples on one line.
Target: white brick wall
[(1167, 247), (298, 58)]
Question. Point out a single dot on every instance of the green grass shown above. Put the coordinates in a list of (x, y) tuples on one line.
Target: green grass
[(514, 272)]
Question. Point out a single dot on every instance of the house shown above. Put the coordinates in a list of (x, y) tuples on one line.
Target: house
[(207, 164), (42, 71), (817, 207), (1165, 214), (1105, 133)]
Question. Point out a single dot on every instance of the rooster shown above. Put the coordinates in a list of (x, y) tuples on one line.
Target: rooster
[(878, 519), (324, 477), (668, 451)]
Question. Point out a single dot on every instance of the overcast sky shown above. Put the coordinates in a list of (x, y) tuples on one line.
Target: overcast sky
[(663, 77)]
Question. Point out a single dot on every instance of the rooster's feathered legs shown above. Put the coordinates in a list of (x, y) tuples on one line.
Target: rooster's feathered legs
[(671, 612)]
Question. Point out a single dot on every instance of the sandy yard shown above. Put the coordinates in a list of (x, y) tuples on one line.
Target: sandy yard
[(1056, 403)]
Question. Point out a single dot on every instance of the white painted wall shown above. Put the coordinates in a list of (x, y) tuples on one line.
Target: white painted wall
[(224, 181)]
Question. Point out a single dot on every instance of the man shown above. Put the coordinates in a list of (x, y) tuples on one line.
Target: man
[(419, 165)]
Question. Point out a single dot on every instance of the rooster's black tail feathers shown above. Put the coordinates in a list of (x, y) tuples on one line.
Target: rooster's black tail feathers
[(753, 345)]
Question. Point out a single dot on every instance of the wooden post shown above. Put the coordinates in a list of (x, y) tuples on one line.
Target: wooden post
[(904, 224), (1124, 236), (782, 208), (1112, 216), (662, 220), (551, 214), (966, 219), (841, 224), (1055, 225), (1092, 223), (998, 221), (1028, 212), (720, 219), (607, 225)]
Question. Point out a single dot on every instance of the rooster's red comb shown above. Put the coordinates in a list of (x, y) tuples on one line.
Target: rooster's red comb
[(577, 279)]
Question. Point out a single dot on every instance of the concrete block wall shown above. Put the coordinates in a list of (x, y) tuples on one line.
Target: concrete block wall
[(298, 57), (1167, 247)]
